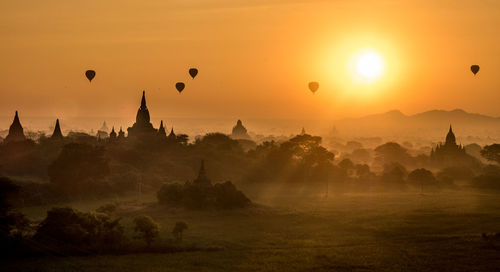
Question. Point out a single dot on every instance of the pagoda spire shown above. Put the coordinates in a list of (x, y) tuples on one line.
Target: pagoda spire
[(143, 100), (161, 130), (450, 138), (112, 135), (57, 134), (172, 134), (16, 132), (121, 134), (202, 178)]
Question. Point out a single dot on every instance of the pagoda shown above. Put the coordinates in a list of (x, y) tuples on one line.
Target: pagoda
[(142, 128), (161, 131), (16, 132), (112, 135), (57, 134), (121, 134), (239, 131), (202, 178)]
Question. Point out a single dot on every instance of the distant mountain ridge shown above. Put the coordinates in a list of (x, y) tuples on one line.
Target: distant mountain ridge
[(429, 124)]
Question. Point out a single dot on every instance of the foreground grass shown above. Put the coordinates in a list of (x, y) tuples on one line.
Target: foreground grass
[(372, 232)]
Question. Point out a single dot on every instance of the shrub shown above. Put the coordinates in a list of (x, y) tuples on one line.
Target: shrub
[(147, 228), (68, 229), (198, 196), (171, 194)]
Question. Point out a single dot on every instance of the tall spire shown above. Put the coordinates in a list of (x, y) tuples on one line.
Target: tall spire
[(450, 138), (57, 134), (16, 119), (161, 130), (143, 100)]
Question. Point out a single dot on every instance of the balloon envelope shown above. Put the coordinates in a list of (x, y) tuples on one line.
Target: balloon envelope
[(474, 69), (313, 86), (193, 72), (180, 86), (90, 74)]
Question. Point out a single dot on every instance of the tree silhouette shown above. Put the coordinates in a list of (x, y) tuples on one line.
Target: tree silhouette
[(179, 228), (491, 153), (147, 228), (421, 177)]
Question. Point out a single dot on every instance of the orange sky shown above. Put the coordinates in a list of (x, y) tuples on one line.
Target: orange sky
[(255, 57)]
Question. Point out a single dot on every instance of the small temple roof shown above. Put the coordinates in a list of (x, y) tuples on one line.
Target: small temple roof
[(202, 176), (112, 134), (57, 134), (172, 134), (161, 130), (16, 132)]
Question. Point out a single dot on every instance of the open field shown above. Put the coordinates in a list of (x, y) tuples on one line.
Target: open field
[(365, 232)]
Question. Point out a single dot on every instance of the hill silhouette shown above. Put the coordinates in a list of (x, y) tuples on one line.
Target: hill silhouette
[(431, 124)]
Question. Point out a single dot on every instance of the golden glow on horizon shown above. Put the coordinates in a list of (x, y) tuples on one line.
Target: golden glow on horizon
[(251, 54)]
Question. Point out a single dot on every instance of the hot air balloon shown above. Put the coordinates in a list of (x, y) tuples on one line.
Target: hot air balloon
[(193, 72), (180, 86), (474, 69), (90, 74), (313, 86)]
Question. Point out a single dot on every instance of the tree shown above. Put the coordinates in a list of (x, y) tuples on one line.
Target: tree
[(392, 152), (171, 194), (69, 229), (346, 164), (11, 222), (394, 175), (179, 228), (78, 168), (182, 139), (361, 155), (147, 228), (421, 177), (491, 153)]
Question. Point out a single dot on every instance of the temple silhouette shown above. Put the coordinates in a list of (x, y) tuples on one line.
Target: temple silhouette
[(202, 178), (239, 131), (450, 153), (16, 131), (142, 129), (57, 134)]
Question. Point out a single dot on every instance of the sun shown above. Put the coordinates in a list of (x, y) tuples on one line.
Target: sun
[(368, 65)]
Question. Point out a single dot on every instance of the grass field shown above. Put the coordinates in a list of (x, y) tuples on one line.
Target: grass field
[(365, 232)]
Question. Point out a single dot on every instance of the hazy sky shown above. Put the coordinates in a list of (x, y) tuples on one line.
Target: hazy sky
[(255, 57)]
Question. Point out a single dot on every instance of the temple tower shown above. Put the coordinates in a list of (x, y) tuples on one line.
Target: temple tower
[(161, 131), (239, 131), (16, 132), (142, 127), (57, 134)]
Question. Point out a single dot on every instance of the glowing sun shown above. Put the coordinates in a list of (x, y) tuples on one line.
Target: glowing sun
[(369, 65)]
